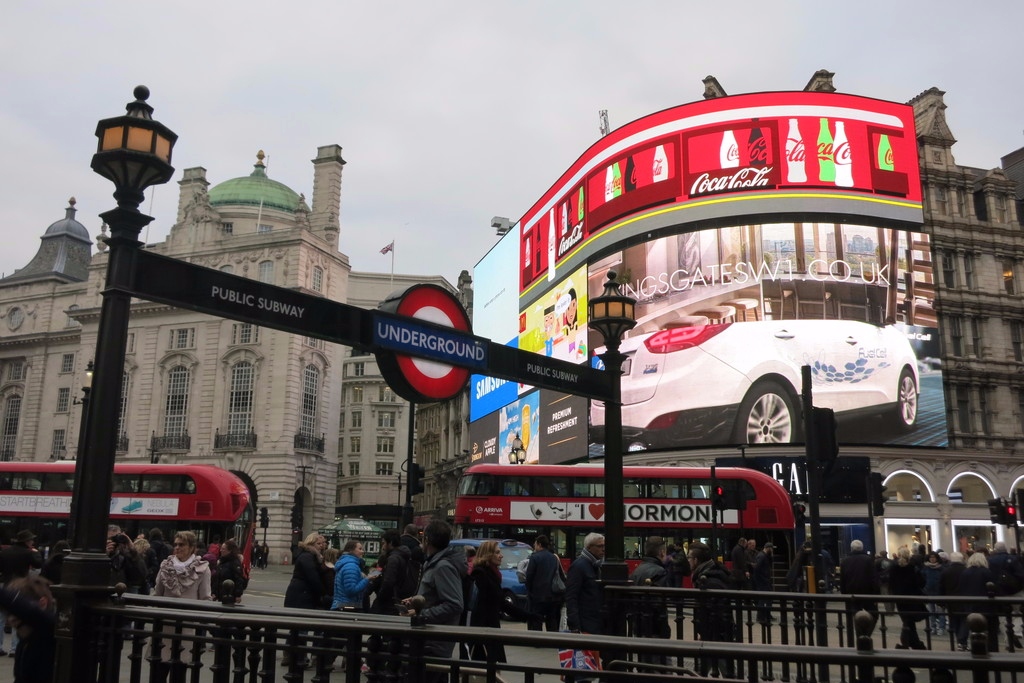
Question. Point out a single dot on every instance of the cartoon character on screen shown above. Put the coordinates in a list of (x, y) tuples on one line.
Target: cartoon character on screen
[(549, 331), (570, 319)]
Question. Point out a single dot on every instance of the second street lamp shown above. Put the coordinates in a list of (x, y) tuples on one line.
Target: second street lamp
[(612, 315)]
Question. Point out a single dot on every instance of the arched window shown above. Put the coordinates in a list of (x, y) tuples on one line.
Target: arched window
[(227, 268), (240, 399), (72, 310), (265, 272), (9, 428), (176, 405), (310, 400), (317, 281)]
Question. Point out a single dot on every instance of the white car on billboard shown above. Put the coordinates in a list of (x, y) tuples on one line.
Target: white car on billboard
[(740, 383)]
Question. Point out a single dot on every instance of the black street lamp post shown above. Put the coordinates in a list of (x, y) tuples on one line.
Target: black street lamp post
[(612, 315), (134, 152)]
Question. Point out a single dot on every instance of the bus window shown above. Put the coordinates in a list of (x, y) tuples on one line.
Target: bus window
[(478, 485), (59, 481), (516, 486), (126, 483), (588, 488), (700, 489), (633, 488), (27, 481), (167, 483), (547, 486)]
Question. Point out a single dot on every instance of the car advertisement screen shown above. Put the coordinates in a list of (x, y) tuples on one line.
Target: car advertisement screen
[(783, 155), (727, 317)]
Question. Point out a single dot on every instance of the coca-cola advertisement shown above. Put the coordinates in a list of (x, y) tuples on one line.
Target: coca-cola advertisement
[(806, 154)]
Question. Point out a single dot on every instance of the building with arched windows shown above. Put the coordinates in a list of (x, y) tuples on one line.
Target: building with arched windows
[(262, 403)]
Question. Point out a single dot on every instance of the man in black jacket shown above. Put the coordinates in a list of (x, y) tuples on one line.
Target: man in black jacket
[(545, 605), (858, 575), (713, 610), (650, 615), (15, 563)]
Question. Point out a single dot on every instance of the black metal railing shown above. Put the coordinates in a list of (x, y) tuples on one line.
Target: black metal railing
[(130, 636), (234, 440), (308, 442), (6, 454), (122, 444), (171, 442)]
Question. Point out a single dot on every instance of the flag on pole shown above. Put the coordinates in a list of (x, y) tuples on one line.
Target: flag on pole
[(388, 248)]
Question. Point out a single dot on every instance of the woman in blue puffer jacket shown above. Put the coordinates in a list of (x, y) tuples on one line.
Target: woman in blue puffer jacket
[(350, 582)]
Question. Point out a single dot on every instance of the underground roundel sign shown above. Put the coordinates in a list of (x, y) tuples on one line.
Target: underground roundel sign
[(421, 373)]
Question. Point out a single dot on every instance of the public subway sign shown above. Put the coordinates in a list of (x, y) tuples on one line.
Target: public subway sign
[(787, 155), (667, 513), (422, 336)]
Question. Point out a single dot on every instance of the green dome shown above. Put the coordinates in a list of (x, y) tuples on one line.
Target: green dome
[(256, 189)]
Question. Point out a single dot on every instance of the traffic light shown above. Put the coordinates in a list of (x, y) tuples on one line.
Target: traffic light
[(264, 518), (878, 493), (718, 501), (995, 510), (799, 512), (1009, 513), (826, 442), (415, 479), (1020, 505), (296, 517)]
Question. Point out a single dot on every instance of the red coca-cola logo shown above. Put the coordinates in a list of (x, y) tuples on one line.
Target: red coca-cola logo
[(758, 151), (889, 159), (744, 178), (843, 155), (824, 151), (733, 153), (795, 150)]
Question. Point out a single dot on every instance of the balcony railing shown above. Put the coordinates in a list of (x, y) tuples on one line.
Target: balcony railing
[(308, 442), (171, 442), (6, 454), (234, 440), (122, 444)]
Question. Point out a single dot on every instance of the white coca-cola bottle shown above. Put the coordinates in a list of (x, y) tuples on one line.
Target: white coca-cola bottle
[(796, 159), (563, 220), (843, 158), (551, 245), (659, 167), (729, 156)]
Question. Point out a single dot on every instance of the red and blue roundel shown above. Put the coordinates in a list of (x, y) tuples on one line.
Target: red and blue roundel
[(420, 379)]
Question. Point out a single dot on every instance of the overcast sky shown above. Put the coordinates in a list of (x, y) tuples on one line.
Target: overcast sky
[(449, 113)]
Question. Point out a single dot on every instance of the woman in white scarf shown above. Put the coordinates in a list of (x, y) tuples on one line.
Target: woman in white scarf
[(184, 574)]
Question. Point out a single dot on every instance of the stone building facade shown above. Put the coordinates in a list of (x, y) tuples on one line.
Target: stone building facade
[(265, 404)]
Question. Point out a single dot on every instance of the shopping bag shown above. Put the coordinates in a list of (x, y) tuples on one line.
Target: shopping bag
[(580, 660)]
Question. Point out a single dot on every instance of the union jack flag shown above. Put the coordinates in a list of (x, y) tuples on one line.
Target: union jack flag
[(390, 247)]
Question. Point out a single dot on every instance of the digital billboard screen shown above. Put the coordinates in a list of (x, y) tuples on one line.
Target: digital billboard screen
[(759, 234), (727, 317)]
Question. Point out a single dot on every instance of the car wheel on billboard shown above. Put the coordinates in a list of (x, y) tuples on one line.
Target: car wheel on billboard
[(906, 401), (768, 414)]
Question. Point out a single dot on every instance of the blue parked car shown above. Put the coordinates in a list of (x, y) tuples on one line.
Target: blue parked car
[(513, 552)]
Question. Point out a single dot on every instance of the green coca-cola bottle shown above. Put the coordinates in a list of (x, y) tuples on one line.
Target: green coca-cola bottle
[(885, 158), (826, 154)]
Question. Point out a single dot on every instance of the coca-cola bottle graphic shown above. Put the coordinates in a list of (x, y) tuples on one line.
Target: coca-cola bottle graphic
[(612, 182), (729, 155), (659, 167), (581, 208), (757, 149), (885, 157), (796, 161), (551, 245), (842, 157), (630, 178), (563, 219), (826, 162)]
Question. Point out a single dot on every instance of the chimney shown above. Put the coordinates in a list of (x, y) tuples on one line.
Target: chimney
[(324, 215)]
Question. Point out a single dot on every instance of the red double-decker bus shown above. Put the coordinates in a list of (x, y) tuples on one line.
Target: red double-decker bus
[(566, 502), (212, 502)]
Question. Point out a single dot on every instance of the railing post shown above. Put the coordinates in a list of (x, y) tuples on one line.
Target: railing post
[(864, 624), (977, 626)]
